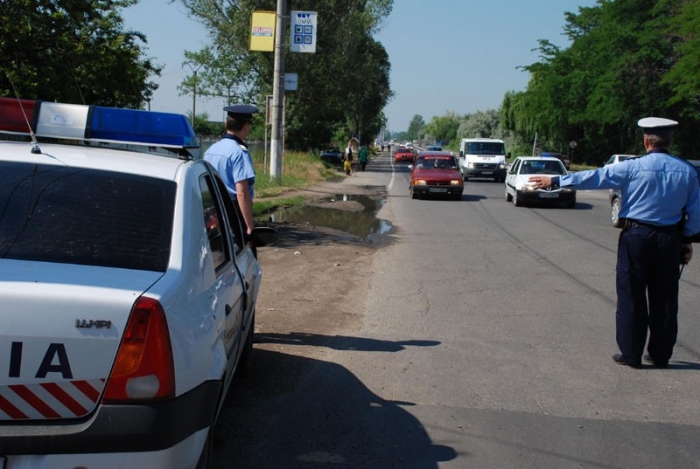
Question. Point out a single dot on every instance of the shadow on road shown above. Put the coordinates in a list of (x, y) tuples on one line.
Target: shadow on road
[(340, 342), (294, 412)]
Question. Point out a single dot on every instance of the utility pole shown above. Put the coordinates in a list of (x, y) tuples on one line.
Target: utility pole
[(194, 89), (276, 140)]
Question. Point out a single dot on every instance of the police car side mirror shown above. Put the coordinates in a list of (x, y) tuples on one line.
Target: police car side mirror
[(264, 236)]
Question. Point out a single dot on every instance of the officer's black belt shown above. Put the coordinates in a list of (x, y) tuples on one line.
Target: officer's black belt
[(629, 223)]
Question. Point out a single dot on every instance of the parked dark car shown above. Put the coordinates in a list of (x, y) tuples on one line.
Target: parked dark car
[(332, 155)]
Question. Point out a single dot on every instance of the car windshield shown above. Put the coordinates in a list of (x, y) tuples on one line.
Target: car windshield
[(486, 148), (437, 163), (84, 216), (542, 167)]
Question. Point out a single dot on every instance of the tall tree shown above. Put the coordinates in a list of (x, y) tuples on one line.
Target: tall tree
[(481, 124), (627, 60), (443, 128), (343, 87), (415, 127), (74, 52)]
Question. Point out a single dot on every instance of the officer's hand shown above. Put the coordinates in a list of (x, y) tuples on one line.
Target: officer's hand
[(540, 182), (686, 253)]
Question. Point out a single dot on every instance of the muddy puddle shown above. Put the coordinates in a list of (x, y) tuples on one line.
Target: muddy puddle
[(354, 214)]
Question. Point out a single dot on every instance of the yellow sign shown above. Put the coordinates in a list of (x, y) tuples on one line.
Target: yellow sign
[(262, 31)]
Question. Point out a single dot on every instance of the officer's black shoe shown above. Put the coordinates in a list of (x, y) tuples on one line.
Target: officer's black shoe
[(656, 363), (618, 358)]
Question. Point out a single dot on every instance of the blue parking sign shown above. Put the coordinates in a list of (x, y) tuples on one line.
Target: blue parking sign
[(303, 31)]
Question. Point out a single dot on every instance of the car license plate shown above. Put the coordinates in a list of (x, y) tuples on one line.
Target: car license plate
[(549, 195), (487, 172), (437, 189)]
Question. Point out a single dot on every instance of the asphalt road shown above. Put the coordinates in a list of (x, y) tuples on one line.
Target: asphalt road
[(486, 342)]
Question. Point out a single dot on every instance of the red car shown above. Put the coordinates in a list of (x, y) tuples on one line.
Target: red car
[(403, 154), (436, 173)]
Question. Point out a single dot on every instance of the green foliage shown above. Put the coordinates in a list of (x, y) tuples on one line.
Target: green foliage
[(481, 124), (73, 52), (443, 128), (415, 128), (205, 127), (300, 169), (343, 87), (628, 59)]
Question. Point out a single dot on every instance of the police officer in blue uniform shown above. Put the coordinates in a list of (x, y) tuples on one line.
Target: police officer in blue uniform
[(231, 158), (661, 203)]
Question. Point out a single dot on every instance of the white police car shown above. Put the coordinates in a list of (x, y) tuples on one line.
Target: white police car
[(127, 292)]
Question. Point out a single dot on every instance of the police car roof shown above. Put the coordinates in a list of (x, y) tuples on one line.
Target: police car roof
[(81, 156)]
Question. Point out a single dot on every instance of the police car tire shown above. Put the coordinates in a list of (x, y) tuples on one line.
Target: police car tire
[(206, 456)]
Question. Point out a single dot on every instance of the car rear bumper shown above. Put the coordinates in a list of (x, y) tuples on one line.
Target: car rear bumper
[(183, 455), (117, 428)]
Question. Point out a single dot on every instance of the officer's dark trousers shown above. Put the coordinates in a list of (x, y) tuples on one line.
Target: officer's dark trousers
[(647, 291)]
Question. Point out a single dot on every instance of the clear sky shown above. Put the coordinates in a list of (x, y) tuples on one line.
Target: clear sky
[(446, 55)]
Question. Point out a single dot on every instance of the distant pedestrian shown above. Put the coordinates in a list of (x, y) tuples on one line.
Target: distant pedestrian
[(362, 157), (347, 161), (662, 212)]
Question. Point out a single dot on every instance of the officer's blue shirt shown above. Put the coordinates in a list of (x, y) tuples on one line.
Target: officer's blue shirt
[(656, 189), (233, 162)]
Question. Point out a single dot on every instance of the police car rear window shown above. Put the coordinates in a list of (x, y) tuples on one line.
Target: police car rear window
[(82, 216)]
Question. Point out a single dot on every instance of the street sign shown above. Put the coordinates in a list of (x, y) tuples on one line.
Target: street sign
[(303, 31), (572, 144), (262, 31), (291, 81)]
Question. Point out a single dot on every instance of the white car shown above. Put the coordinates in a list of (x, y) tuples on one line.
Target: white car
[(519, 190), (615, 159), (127, 290)]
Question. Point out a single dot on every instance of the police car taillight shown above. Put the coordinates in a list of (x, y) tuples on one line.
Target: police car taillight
[(96, 124), (143, 369)]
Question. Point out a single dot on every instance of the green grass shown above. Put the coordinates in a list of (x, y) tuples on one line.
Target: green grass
[(263, 206), (299, 170)]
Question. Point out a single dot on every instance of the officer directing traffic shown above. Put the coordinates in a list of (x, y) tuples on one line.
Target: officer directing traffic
[(231, 158), (662, 208)]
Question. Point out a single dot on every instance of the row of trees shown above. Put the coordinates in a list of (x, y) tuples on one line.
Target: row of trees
[(627, 59), (73, 52), (80, 52), (343, 87)]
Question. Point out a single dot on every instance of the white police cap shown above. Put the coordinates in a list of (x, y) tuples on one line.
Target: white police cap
[(656, 125)]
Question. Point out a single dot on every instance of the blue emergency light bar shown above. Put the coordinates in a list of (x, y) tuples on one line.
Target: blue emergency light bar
[(95, 123)]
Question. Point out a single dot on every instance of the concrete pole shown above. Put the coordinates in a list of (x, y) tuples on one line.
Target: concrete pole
[(276, 140)]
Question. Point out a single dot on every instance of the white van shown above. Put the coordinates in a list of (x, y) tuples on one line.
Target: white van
[(482, 157)]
